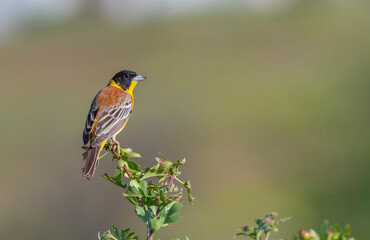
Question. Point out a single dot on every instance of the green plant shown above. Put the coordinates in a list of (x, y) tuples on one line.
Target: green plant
[(156, 192), (113, 234), (267, 225), (327, 232)]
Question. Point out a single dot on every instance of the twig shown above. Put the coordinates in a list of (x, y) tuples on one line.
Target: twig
[(126, 170), (149, 234)]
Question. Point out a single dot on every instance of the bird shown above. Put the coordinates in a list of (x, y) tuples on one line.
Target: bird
[(108, 115)]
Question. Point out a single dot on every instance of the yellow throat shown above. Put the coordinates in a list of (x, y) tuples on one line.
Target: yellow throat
[(128, 90)]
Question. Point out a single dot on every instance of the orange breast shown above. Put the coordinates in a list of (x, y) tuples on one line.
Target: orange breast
[(111, 96)]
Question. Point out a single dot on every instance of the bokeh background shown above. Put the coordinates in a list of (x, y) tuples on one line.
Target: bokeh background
[(267, 99)]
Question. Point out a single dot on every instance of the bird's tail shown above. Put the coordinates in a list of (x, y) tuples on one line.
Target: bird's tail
[(91, 161)]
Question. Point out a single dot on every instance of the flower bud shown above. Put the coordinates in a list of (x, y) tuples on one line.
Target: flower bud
[(304, 235)]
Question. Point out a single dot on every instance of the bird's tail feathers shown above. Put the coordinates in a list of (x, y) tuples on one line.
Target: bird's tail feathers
[(91, 162)]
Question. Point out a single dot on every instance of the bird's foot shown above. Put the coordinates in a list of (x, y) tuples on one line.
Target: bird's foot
[(116, 148)]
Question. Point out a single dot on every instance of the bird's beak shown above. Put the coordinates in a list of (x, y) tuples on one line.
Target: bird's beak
[(139, 78)]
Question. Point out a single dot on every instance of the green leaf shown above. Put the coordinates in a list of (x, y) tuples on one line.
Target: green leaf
[(172, 219), (324, 229), (112, 234), (152, 172), (130, 194), (116, 180), (130, 235), (114, 231), (347, 231), (124, 232), (132, 200), (163, 212), (109, 236), (166, 164), (162, 179), (156, 223), (117, 173), (152, 184), (133, 155), (135, 190), (162, 196), (259, 222), (135, 186), (143, 214), (314, 235), (175, 207), (143, 186), (336, 228), (133, 165), (140, 211), (179, 163), (154, 209), (126, 150)]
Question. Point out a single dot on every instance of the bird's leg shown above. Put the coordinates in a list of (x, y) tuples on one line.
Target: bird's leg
[(115, 146)]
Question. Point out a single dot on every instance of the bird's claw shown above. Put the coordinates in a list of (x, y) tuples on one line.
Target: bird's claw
[(115, 147)]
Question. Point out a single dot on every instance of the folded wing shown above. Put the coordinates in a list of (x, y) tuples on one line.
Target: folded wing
[(90, 120), (110, 121)]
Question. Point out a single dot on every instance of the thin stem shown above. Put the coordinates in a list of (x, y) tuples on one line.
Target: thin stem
[(103, 155), (149, 234), (179, 181), (267, 236)]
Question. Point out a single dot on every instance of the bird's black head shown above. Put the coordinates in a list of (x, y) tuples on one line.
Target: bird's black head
[(126, 77)]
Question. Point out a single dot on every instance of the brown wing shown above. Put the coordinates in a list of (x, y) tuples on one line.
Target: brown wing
[(111, 120)]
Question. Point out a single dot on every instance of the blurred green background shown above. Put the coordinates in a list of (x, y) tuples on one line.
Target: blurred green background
[(269, 104)]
